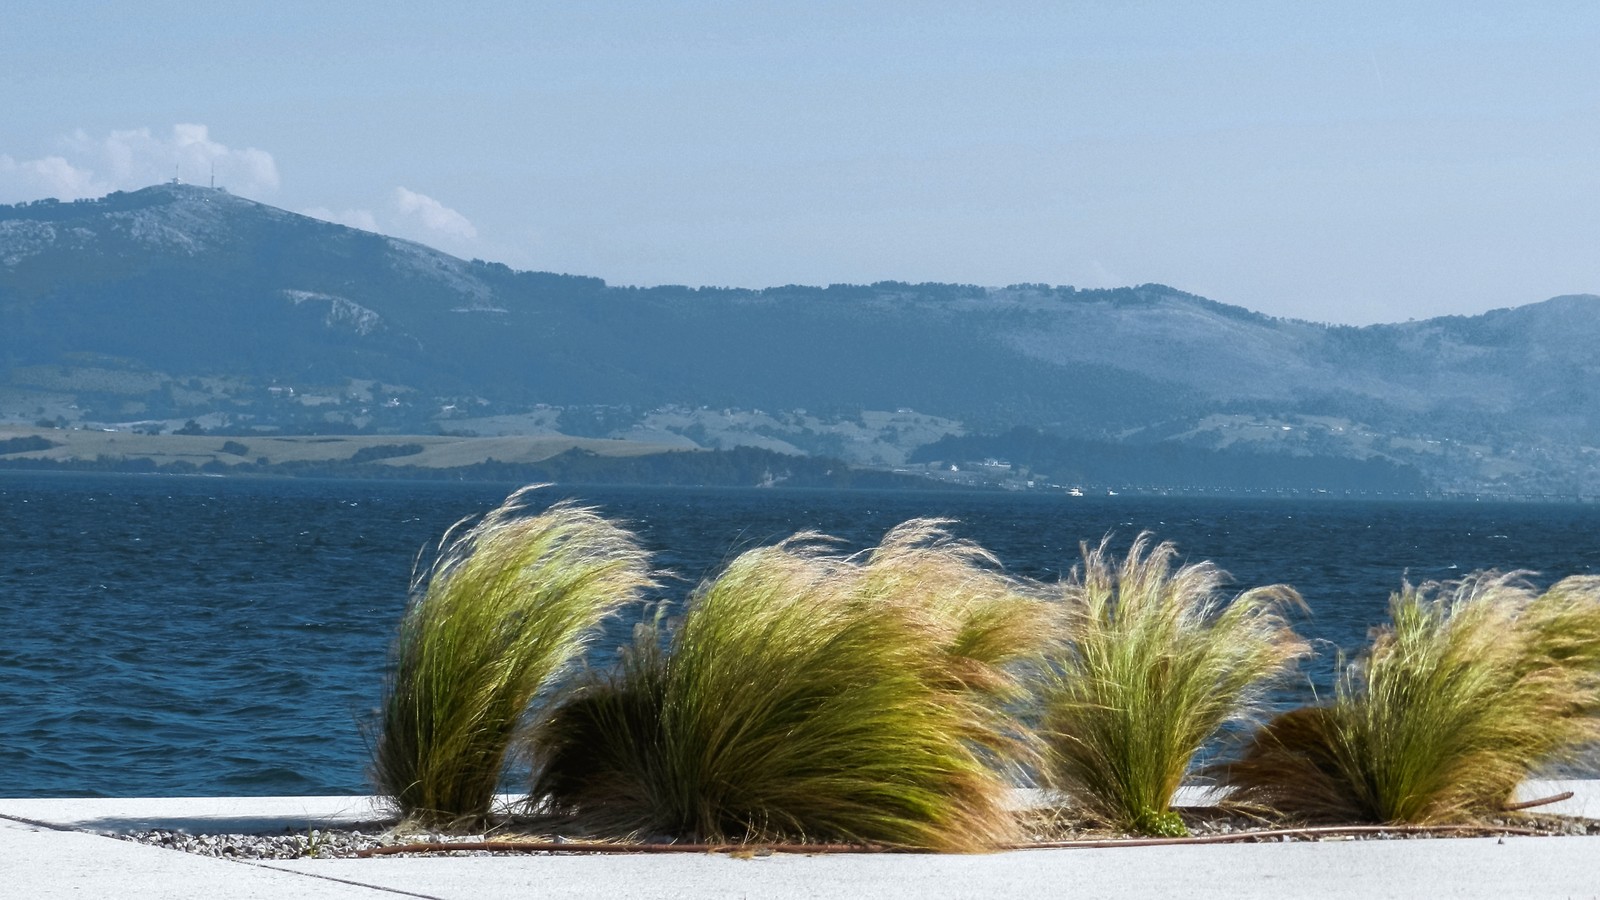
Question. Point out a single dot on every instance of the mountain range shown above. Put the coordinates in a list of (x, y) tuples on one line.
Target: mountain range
[(178, 305)]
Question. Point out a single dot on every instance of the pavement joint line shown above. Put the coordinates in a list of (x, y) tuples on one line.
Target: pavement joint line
[(51, 826), (360, 884), (48, 825)]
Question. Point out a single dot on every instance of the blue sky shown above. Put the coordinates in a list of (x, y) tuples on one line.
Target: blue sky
[(1353, 162)]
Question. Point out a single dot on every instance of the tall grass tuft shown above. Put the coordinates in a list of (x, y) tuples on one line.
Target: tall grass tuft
[(809, 696), (1155, 664), (506, 604), (1474, 684), (985, 624)]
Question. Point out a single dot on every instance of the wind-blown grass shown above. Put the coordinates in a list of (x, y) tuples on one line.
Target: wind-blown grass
[(808, 696), (506, 604), (1155, 664), (1474, 684)]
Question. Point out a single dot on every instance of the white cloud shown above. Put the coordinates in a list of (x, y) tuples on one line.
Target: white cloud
[(48, 176), (407, 214), (355, 218), (136, 158), (433, 215)]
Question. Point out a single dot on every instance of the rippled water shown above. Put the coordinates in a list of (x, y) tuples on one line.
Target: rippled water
[(176, 636)]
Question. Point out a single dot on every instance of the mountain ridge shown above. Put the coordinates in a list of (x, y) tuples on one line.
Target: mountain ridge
[(177, 302)]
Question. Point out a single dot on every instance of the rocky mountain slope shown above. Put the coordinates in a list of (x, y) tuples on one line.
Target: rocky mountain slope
[(152, 308)]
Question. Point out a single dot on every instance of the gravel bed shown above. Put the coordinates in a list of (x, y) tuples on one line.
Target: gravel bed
[(334, 843), (312, 843)]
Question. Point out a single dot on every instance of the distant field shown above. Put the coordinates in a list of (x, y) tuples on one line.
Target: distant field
[(437, 452)]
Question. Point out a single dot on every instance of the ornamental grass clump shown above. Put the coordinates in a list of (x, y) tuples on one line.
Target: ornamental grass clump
[(1473, 686), (1155, 664), (805, 696), (506, 605), (990, 627)]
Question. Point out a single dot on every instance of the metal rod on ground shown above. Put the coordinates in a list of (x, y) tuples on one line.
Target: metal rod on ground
[(1542, 801), (1094, 844), (596, 847), (1241, 837)]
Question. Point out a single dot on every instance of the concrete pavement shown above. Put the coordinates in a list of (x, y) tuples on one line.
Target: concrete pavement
[(42, 856)]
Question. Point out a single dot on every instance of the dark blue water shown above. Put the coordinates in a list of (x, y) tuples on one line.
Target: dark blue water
[(194, 636)]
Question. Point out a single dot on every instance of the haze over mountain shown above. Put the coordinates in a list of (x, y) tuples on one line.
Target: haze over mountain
[(173, 303)]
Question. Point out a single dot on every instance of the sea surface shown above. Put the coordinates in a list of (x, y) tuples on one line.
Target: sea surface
[(173, 636)]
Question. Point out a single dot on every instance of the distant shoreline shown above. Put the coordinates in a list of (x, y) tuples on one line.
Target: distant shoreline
[(430, 451), (523, 458), (548, 457)]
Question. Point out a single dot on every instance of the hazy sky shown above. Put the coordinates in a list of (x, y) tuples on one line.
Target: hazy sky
[(1347, 162)]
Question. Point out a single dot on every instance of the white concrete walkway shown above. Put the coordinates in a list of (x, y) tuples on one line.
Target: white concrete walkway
[(40, 860)]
